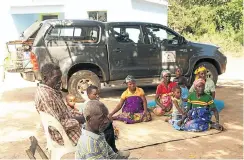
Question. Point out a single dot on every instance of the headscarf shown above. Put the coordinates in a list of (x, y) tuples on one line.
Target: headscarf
[(163, 73), (200, 69), (130, 78), (198, 81)]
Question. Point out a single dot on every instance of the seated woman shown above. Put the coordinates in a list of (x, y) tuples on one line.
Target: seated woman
[(201, 72), (199, 109), (179, 75), (164, 92), (133, 103)]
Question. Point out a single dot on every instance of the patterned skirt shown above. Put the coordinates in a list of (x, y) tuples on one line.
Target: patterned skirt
[(198, 120), (132, 111)]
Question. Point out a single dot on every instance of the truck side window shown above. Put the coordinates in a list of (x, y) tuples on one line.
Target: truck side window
[(81, 34), (66, 33), (154, 34), (127, 34)]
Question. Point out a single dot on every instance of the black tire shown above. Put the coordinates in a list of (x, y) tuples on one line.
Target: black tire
[(76, 83), (210, 69)]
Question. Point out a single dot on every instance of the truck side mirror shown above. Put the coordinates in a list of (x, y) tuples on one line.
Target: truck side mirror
[(182, 40), (125, 35)]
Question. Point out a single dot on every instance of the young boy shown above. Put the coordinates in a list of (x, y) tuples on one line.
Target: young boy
[(178, 74), (182, 82), (178, 111)]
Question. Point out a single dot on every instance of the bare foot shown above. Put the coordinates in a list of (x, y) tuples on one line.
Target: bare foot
[(179, 123), (167, 120), (217, 126), (125, 122)]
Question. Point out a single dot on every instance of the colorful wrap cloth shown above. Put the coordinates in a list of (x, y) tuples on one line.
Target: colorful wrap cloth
[(198, 81), (132, 111), (198, 120)]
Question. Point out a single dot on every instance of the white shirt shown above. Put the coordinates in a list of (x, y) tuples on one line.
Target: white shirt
[(81, 106)]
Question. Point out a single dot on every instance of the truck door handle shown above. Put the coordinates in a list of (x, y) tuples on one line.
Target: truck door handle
[(183, 50), (152, 49), (118, 50)]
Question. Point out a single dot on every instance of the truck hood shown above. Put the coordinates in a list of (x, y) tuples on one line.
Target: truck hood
[(30, 31), (207, 50), (204, 45)]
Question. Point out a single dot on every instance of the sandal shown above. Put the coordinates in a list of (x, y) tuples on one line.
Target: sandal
[(217, 127), (221, 128)]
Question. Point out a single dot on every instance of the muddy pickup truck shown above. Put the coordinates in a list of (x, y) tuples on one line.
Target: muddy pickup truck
[(92, 52)]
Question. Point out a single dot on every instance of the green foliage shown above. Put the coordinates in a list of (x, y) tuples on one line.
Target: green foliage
[(192, 3), (230, 15), (215, 21)]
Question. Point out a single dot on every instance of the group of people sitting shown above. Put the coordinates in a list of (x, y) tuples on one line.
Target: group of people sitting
[(90, 125), (186, 110)]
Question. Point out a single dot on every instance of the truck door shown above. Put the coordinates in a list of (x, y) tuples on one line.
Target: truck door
[(173, 54), (153, 49), (125, 53)]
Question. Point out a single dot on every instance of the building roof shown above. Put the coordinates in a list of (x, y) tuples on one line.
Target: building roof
[(162, 2)]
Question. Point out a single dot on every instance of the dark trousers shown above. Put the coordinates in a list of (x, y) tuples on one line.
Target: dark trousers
[(80, 119), (110, 138)]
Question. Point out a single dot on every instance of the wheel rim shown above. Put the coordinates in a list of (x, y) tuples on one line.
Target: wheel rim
[(209, 74), (82, 85)]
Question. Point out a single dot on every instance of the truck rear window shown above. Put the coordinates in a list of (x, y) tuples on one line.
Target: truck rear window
[(80, 34)]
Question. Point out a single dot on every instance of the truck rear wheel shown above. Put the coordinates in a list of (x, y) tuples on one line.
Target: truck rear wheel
[(211, 71), (79, 82)]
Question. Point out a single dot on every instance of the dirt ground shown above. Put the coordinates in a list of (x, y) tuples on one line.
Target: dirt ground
[(19, 120)]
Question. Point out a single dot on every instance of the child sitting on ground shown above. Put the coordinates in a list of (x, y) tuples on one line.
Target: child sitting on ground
[(178, 111), (184, 91)]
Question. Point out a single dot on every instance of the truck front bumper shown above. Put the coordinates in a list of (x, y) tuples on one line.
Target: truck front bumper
[(223, 65), (31, 76)]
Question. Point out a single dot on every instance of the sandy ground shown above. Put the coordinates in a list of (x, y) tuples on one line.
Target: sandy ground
[(19, 120)]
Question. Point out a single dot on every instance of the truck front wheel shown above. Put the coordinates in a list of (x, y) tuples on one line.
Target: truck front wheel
[(79, 82)]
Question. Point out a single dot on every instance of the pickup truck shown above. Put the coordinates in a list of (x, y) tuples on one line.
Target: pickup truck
[(93, 52)]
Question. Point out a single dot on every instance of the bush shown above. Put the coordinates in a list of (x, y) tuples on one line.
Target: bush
[(219, 22)]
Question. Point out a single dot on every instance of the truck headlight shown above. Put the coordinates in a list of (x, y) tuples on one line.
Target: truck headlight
[(221, 50)]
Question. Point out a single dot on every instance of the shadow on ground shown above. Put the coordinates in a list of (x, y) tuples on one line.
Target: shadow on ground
[(25, 94)]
